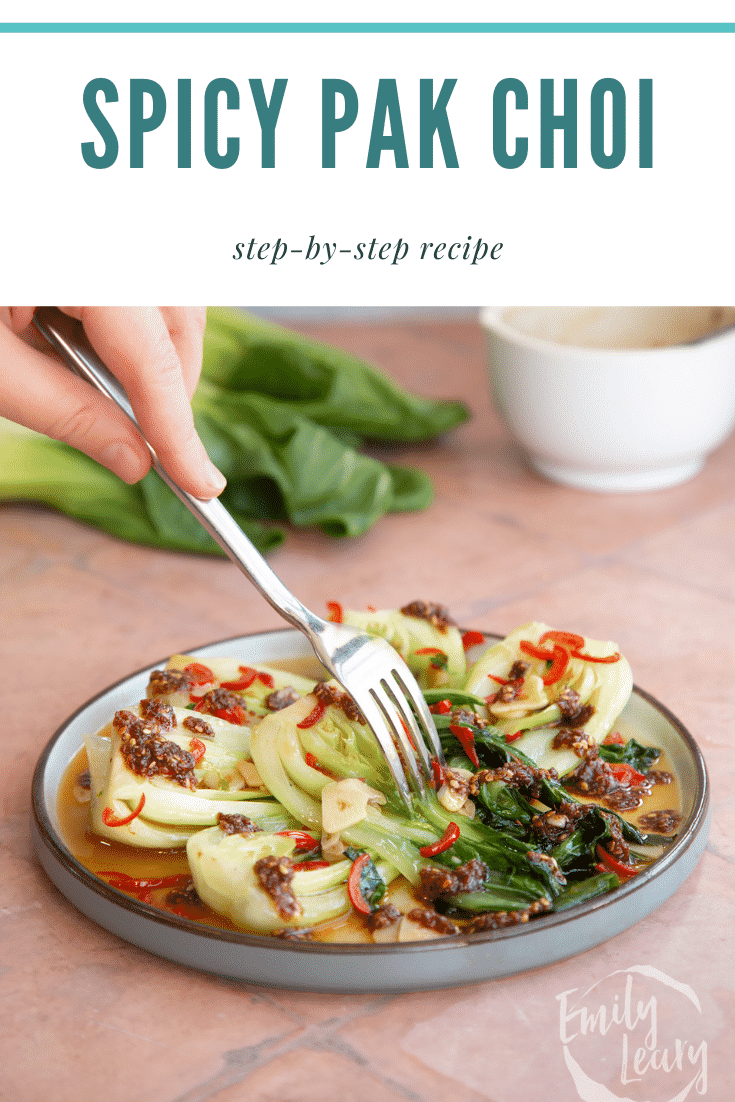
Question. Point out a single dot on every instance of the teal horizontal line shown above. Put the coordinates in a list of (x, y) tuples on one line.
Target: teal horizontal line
[(367, 28)]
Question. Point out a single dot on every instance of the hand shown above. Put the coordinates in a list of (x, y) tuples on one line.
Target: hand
[(155, 352)]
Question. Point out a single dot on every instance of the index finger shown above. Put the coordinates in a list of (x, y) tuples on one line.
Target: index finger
[(136, 345)]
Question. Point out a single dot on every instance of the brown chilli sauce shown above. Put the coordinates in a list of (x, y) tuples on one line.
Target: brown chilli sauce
[(662, 796)]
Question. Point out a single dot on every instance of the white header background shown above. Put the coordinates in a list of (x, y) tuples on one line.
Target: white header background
[(587, 235), (394, 11)]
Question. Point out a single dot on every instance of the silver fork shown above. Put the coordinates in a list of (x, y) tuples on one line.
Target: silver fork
[(371, 671)]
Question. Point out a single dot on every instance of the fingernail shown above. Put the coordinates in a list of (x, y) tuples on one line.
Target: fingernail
[(123, 461), (212, 478), (216, 481)]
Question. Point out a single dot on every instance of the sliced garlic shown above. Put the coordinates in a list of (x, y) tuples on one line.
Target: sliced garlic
[(344, 803), (388, 933), (533, 696), (453, 793), (468, 808), (249, 774), (451, 799), (332, 847), (408, 930)]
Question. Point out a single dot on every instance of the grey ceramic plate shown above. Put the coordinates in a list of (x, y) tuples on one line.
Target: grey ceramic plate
[(318, 966)]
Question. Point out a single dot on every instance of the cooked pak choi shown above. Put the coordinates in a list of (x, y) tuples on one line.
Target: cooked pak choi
[(293, 766)]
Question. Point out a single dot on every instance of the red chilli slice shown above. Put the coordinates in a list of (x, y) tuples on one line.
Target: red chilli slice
[(448, 838), (335, 612), (535, 652), (357, 899), (199, 674), (593, 658), (197, 749), (304, 841), (514, 736), (563, 638), (439, 773), (614, 739), (183, 911), (108, 817), (559, 663), (623, 871), (472, 639), (313, 717), (407, 733), (244, 682), (311, 761), (442, 707), (438, 658), (466, 740), (626, 775), (143, 889), (236, 715), (132, 884), (558, 656), (266, 679), (307, 866)]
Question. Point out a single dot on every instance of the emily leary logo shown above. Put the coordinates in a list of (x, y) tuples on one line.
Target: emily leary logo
[(623, 1040)]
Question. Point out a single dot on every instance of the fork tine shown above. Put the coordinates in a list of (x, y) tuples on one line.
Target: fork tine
[(423, 716), (385, 699), (377, 723), (412, 731)]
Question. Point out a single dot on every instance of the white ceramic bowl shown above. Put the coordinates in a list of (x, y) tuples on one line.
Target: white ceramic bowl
[(614, 399), (317, 966)]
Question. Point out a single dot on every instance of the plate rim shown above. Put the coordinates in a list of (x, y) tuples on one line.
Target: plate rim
[(53, 840)]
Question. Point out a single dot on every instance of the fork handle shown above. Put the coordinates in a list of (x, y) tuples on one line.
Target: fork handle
[(67, 337)]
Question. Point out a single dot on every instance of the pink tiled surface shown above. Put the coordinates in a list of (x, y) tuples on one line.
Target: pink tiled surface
[(88, 1018)]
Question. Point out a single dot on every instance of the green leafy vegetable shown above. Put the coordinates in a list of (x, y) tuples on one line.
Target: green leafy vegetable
[(324, 384), (281, 416), (454, 696), (372, 884), (493, 751), (494, 898), (632, 753), (505, 808), (583, 890)]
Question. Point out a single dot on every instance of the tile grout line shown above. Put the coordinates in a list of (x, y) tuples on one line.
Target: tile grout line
[(244, 1060), (336, 1044), (712, 848), (240, 1063)]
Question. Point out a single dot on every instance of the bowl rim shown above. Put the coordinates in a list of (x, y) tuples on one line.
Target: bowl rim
[(491, 318), (63, 855)]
